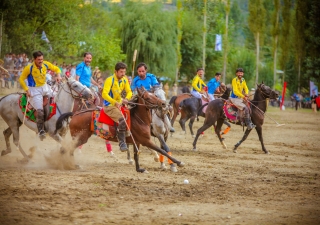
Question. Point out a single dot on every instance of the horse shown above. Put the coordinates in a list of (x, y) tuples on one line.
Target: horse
[(189, 109), (140, 133), (215, 113), (175, 102), (159, 127), (14, 116)]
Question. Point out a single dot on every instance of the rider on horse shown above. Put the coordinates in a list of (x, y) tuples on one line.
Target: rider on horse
[(111, 93), (84, 73), (213, 85), (239, 97), (37, 87), (147, 80), (198, 84)]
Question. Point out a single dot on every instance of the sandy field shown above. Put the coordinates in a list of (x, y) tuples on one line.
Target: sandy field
[(248, 187)]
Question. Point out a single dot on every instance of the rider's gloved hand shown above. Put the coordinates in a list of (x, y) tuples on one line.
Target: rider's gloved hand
[(58, 78)]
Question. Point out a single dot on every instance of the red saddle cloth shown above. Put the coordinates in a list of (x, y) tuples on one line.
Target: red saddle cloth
[(104, 118)]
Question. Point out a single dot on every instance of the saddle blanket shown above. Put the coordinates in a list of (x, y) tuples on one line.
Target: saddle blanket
[(103, 126), (30, 111)]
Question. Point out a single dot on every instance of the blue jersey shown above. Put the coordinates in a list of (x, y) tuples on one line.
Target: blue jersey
[(212, 85), (84, 73), (147, 83)]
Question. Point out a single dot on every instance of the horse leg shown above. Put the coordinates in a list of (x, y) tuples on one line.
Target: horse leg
[(130, 161), (200, 130), (191, 124), (247, 132), (151, 145), (218, 129), (7, 133), (136, 159), (259, 131), (183, 119)]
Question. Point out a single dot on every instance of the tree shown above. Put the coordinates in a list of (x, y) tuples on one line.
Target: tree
[(256, 22), (150, 30), (275, 34)]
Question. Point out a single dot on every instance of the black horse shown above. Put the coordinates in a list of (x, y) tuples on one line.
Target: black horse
[(190, 110), (215, 114)]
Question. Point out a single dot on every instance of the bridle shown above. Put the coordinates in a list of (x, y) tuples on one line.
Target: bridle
[(147, 103)]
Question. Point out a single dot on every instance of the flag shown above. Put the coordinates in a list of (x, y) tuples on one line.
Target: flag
[(313, 88), (44, 37), (218, 46)]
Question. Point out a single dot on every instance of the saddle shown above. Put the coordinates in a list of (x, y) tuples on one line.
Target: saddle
[(103, 126), (204, 99), (49, 108), (233, 113)]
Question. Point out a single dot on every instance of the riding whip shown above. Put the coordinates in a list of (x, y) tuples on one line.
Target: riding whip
[(25, 112)]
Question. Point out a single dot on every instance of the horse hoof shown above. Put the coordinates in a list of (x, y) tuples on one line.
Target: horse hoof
[(267, 153), (193, 136), (130, 162), (4, 152), (173, 168), (181, 164), (78, 167), (163, 166), (223, 145), (194, 149), (23, 161), (156, 159), (145, 171), (235, 150)]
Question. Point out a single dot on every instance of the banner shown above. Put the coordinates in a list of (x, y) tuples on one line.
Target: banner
[(218, 46), (283, 95), (313, 88)]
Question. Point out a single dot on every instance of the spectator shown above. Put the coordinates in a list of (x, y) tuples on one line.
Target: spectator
[(313, 101)]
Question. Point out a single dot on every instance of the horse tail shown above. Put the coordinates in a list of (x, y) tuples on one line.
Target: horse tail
[(200, 109), (172, 100), (63, 117)]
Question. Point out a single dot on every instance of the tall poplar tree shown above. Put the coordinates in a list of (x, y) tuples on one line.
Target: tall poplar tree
[(275, 34), (256, 22), (300, 24)]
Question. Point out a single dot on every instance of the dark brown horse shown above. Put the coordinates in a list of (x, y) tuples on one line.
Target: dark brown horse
[(80, 126), (215, 113), (189, 109)]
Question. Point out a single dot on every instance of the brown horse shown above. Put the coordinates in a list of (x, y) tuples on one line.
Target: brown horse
[(215, 113), (175, 102), (80, 126)]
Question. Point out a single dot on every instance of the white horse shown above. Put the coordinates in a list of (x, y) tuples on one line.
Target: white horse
[(160, 128), (12, 114)]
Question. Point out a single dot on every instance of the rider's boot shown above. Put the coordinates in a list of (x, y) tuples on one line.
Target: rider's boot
[(40, 123), (121, 135), (249, 123)]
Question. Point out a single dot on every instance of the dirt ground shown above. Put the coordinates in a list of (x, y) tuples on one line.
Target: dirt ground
[(247, 187)]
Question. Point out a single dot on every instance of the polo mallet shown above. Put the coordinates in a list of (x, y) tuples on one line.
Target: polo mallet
[(25, 112), (134, 142), (278, 124), (134, 62)]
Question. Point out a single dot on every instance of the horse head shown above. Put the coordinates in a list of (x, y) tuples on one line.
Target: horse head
[(78, 90), (267, 92), (150, 100)]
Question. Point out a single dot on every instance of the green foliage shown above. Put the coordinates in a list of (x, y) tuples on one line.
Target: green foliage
[(150, 30), (245, 59), (191, 45)]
